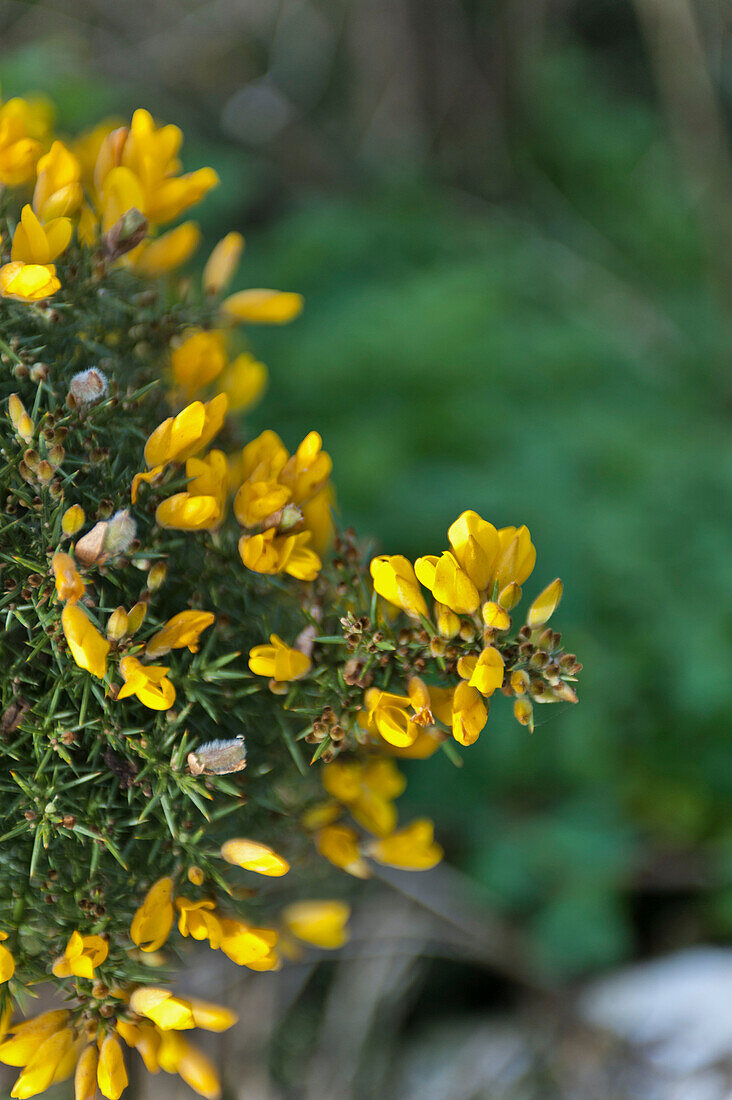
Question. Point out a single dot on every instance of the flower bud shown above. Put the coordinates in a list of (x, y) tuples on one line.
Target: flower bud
[(117, 625), (22, 423), (72, 520), (524, 713), (136, 617), (126, 233), (510, 596), (545, 604), (156, 576), (120, 533)]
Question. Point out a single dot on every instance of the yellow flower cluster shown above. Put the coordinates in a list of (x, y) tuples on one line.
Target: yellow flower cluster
[(283, 503), (475, 585), (367, 790)]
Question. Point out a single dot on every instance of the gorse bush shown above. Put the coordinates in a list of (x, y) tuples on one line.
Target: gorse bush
[(185, 632)]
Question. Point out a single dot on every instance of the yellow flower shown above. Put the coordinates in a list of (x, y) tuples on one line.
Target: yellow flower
[(321, 923), (184, 629), (484, 672), (209, 476), (516, 558), (53, 1060), (368, 790), (278, 661), (179, 1056), (222, 263), (21, 125), (318, 516), (172, 1013), (28, 1035), (34, 243), (412, 848), (262, 307), (111, 1072), (392, 716), (58, 189), (81, 957), (198, 359), (143, 1037), (545, 604), (495, 617), (7, 962), (270, 553), (168, 252), (73, 520), (85, 1078), (88, 647), (257, 501), (448, 623), (179, 437), (22, 423), (198, 920), (447, 582), (149, 157), (394, 579), (69, 585), (475, 546), (148, 682), (28, 282), (183, 512), (244, 381), (254, 856), (469, 714), (249, 946), (339, 845), (307, 471), (153, 921)]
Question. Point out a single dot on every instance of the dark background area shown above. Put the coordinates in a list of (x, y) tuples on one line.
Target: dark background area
[(511, 224)]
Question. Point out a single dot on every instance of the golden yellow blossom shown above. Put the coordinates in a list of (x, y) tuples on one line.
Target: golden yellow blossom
[(148, 682), (153, 921), (252, 855), (53, 1060), (69, 585), (484, 672), (198, 360), (244, 381), (172, 1013), (7, 962), (392, 716), (58, 191), (248, 946), (81, 957), (73, 520), (447, 582), (184, 512), (412, 848), (34, 243), (88, 647), (111, 1072), (339, 844), (22, 423), (181, 436), (22, 124), (198, 920), (262, 307), (545, 604), (27, 1036), (279, 661), (469, 714), (270, 553), (394, 579), (320, 923), (28, 282), (517, 556), (85, 1078), (158, 256), (222, 263), (183, 630)]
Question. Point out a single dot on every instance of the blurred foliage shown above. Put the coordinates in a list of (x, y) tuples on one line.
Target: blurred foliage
[(557, 357)]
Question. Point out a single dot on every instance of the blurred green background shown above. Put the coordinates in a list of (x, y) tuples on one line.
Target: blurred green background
[(511, 223)]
